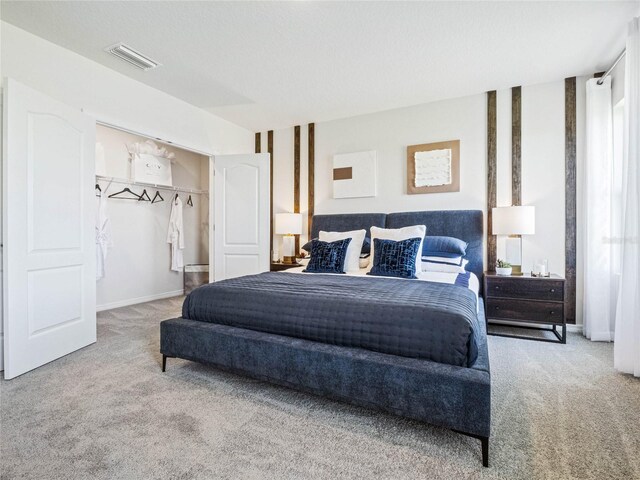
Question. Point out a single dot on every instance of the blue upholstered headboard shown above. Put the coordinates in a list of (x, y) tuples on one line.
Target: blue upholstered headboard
[(466, 225), (344, 222)]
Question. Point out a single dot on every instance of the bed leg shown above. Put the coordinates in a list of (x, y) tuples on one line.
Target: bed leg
[(164, 363), (485, 451), (485, 445)]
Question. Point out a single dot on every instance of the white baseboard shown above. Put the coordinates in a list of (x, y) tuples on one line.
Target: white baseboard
[(135, 301), (1, 352)]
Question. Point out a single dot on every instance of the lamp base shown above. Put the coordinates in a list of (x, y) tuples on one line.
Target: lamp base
[(289, 260), (288, 250), (516, 270)]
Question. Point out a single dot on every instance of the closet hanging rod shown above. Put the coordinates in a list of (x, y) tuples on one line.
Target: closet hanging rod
[(124, 181)]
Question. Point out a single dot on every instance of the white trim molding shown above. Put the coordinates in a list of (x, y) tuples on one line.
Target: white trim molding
[(135, 301)]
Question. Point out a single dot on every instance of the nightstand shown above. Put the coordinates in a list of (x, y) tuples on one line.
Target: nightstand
[(526, 299), (278, 266)]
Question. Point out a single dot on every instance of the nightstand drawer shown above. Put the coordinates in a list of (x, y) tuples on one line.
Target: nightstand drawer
[(544, 312), (534, 288)]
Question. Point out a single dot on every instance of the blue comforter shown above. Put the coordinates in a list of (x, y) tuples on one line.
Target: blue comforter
[(409, 318)]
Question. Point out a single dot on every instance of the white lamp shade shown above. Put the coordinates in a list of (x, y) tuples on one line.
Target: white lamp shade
[(288, 224), (513, 220)]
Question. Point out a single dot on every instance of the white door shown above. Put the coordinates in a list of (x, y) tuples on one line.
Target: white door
[(48, 229), (242, 209)]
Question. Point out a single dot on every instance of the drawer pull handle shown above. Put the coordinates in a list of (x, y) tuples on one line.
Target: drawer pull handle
[(552, 290), (497, 308), (497, 287), (553, 312)]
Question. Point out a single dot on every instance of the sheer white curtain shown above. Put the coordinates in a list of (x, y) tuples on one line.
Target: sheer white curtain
[(600, 280), (627, 328)]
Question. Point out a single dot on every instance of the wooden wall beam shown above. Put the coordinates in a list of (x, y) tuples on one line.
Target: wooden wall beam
[(296, 178), (570, 198), (311, 160), (258, 147), (270, 151), (492, 158), (516, 146)]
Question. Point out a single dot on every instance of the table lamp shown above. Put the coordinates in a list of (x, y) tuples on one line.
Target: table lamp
[(514, 221), (289, 225)]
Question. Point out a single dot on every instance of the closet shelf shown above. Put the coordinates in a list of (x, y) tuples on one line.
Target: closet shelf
[(125, 181)]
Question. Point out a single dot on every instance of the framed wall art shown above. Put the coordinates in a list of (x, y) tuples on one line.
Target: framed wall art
[(433, 167), (354, 175)]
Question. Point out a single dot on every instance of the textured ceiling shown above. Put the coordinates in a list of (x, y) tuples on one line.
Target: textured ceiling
[(272, 65)]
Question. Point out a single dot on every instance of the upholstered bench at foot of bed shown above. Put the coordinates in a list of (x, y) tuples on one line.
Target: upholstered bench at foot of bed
[(450, 396)]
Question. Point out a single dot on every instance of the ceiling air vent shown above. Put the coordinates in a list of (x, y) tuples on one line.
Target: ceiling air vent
[(128, 54)]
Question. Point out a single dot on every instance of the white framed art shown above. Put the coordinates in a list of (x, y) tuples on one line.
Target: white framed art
[(433, 167), (355, 174)]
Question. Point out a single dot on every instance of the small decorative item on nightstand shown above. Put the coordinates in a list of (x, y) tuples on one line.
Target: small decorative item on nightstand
[(503, 268), (526, 302), (540, 268)]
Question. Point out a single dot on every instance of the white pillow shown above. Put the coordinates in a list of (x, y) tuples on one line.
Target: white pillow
[(428, 266), (352, 261), (450, 260), (304, 261), (396, 234)]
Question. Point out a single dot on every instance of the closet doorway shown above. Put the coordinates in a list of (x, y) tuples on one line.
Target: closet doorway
[(147, 251), (49, 290)]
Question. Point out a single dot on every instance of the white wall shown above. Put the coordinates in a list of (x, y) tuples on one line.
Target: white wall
[(137, 267), (581, 100), (389, 133), (465, 119), (543, 172), (1, 250)]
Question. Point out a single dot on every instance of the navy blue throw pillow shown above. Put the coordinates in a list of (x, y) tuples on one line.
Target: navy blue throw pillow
[(395, 259), (439, 246), (327, 257)]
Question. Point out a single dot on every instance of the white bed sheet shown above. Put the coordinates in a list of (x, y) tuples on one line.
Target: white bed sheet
[(439, 277)]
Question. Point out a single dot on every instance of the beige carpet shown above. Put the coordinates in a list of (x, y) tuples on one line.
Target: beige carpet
[(107, 412)]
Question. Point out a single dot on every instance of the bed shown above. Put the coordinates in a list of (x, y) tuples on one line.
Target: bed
[(415, 348)]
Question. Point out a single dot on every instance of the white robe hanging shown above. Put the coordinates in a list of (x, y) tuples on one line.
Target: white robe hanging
[(103, 236), (175, 235)]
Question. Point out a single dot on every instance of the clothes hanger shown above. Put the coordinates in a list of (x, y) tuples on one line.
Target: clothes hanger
[(189, 201), (99, 190), (157, 197), (125, 190), (144, 196)]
